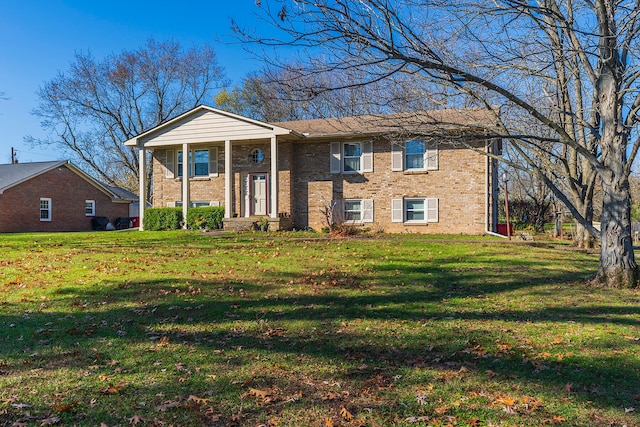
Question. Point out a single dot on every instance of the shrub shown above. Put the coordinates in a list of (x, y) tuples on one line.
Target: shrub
[(205, 217), (156, 219)]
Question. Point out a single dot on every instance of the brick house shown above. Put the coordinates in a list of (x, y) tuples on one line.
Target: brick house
[(424, 172), (55, 196)]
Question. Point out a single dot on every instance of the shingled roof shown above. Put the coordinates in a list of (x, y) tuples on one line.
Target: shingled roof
[(416, 122), (13, 174)]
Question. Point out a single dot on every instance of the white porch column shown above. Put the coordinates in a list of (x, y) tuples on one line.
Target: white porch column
[(186, 173), (142, 171), (228, 179), (274, 178)]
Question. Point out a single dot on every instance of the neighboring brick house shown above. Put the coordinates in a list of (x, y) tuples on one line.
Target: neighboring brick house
[(425, 172), (55, 196)]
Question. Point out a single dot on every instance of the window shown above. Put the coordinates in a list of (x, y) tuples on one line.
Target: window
[(357, 210), (414, 210), (353, 210), (202, 162), (257, 156), (192, 204), (352, 153), (45, 209), (351, 157), (90, 207), (414, 154)]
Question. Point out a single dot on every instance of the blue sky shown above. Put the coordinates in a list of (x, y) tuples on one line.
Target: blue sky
[(39, 38)]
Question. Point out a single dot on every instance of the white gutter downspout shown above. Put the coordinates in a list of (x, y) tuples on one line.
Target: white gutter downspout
[(488, 198)]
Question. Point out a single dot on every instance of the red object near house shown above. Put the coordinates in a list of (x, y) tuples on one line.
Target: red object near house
[(135, 221), (502, 229)]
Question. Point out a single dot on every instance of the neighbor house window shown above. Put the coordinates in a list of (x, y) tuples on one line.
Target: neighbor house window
[(90, 207), (414, 155), (201, 162), (45, 209), (351, 157), (414, 210)]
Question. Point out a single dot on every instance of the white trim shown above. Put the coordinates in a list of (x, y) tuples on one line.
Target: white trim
[(273, 180), (228, 179), (46, 209), (431, 156), (213, 161), (397, 156), (171, 204), (366, 156), (170, 163), (397, 210), (336, 157), (367, 210), (431, 210), (93, 207)]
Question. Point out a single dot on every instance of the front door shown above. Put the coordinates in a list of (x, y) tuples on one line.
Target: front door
[(258, 188)]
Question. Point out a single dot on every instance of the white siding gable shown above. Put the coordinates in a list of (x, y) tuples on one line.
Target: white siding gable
[(206, 126)]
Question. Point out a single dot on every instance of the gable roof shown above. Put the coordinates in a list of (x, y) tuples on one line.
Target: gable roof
[(13, 174), (207, 124), (196, 115), (472, 119)]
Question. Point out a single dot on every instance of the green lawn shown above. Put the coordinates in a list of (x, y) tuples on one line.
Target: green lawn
[(186, 328)]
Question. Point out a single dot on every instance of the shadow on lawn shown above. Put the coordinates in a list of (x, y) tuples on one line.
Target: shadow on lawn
[(435, 336)]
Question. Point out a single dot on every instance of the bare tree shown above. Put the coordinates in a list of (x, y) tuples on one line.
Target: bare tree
[(292, 92), (580, 55), (96, 105)]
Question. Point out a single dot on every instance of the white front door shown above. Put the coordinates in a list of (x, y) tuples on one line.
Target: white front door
[(258, 186)]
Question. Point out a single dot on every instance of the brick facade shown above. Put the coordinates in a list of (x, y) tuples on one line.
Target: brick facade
[(461, 184), (20, 204)]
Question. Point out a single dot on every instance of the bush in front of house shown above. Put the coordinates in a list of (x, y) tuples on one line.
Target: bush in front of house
[(209, 217), (156, 219)]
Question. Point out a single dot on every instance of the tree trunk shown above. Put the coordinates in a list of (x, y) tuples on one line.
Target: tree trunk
[(617, 266), (583, 238)]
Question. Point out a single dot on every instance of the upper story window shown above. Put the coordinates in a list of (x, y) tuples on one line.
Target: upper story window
[(90, 207), (202, 162), (351, 154), (351, 157), (414, 154), (45, 209)]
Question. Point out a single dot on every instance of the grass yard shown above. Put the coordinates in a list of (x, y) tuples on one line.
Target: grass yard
[(270, 329)]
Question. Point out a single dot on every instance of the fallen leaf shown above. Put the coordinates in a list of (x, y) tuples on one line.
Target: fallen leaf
[(50, 421), (196, 399), (64, 407), (135, 420), (344, 413), (506, 401), (441, 410), (168, 405), (330, 396)]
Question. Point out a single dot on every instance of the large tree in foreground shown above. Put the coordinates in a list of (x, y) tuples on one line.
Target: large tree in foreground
[(96, 105), (561, 77)]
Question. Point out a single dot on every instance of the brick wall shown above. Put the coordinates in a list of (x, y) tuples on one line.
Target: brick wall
[(306, 185), (458, 184), (20, 205)]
